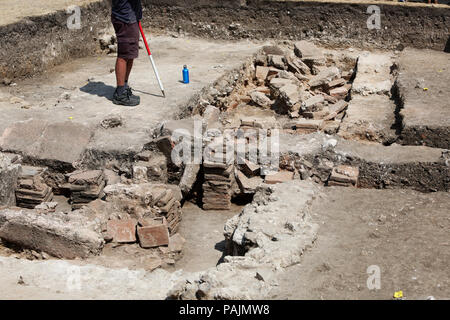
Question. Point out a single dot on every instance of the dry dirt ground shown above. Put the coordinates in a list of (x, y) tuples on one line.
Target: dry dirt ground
[(404, 232), (203, 231), (90, 85)]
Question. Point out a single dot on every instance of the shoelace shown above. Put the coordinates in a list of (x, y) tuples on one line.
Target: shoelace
[(129, 92)]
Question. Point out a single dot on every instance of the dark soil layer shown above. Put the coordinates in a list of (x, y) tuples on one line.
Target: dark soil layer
[(37, 43), (332, 23)]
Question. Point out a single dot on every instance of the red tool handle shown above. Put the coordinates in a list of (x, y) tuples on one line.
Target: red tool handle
[(145, 40)]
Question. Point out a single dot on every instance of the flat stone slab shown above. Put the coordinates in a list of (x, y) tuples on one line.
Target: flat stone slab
[(369, 118), (374, 74), (61, 141), (424, 90)]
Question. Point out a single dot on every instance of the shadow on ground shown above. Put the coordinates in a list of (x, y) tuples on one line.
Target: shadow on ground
[(100, 89)]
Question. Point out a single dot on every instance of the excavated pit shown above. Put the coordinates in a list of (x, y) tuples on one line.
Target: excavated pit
[(332, 117)]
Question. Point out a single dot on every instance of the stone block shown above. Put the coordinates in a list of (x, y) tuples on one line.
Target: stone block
[(323, 77), (55, 234), (261, 99), (248, 185), (276, 61), (309, 53), (339, 93)]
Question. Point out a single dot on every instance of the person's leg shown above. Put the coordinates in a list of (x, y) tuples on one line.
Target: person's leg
[(121, 72), (123, 94), (127, 50), (129, 67)]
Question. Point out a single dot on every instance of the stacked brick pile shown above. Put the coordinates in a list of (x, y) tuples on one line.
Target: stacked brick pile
[(85, 186), (167, 202), (218, 185), (32, 189)]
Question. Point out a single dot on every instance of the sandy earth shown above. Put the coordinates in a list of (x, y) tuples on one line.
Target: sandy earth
[(404, 232), (203, 231)]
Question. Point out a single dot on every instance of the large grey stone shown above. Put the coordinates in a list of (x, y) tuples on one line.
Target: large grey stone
[(53, 233), (324, 76), (369, 118), (374, 74)]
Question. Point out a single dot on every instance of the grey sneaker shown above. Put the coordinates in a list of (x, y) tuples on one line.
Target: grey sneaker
[(127, 98)]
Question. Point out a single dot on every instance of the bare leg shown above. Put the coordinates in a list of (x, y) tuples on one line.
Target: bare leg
[(121, 71), (129, 67)]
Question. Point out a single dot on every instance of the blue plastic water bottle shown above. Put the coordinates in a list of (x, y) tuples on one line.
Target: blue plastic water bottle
[(185, 74)]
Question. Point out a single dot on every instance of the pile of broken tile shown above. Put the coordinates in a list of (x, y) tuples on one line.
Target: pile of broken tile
[(303, 83), (150, 213), (32, 189), (85, 186)]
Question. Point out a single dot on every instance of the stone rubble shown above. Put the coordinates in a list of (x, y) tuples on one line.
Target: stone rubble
[(303, 84), (147, 200), (344, 176), (268, 235)]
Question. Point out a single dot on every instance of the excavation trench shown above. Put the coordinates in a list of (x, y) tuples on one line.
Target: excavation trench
[(290, 120)]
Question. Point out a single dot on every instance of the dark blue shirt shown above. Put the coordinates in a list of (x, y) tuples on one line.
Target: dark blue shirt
[(128, 11)]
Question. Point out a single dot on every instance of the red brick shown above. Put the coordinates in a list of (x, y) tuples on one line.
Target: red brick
[(153, 236), (122, 231), (149, 222), (279, 177)]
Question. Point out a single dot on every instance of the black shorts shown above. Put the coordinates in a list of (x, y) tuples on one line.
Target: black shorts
[(127, 39)]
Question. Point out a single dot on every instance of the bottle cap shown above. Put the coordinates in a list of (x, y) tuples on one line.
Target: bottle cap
[(185, 66)]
